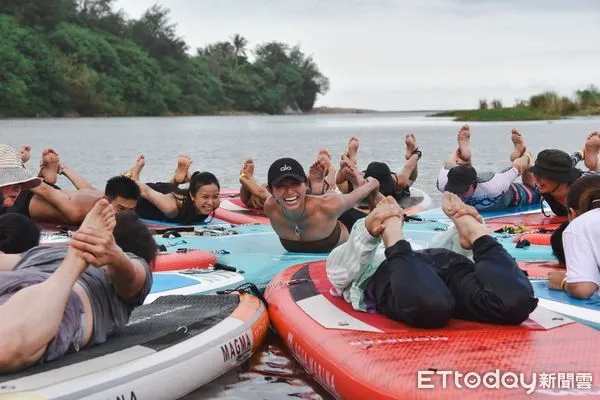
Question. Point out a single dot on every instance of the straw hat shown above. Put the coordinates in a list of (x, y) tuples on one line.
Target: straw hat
[(12, 170)]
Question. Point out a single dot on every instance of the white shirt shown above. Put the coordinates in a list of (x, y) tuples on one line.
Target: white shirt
[(581, 241), (490, 194)]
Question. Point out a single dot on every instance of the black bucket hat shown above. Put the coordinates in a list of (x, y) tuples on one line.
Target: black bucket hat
[(555, 165)]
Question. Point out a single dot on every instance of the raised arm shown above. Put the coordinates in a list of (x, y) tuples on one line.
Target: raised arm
[(100, 249), (348, 200), (164, 202)]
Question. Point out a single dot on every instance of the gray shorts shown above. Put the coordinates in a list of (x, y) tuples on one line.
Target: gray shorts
[(70, 332)]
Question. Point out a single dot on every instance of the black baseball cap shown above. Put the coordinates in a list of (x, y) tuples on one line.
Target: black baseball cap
[(381, 172), (285, 168), (460, 179)]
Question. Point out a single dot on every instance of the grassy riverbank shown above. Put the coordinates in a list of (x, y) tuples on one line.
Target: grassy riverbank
[(543, 106), (498, 114)]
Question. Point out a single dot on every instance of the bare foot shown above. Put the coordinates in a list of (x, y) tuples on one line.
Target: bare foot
[(49, 166), (94, 240), (101, 217), (25, 152), (248, 168), (183, 165), (464, 143), (316, 177), (351, 173), (466, 218), (519, 145), (592, 147), (352, 151), (325, 156), (136, 170), (411, 145)]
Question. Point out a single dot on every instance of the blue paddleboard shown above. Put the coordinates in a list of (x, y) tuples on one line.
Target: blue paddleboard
[(254, 250), (585, 311)]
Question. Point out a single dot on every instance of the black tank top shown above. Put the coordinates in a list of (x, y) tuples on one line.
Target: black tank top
[(187, 214)]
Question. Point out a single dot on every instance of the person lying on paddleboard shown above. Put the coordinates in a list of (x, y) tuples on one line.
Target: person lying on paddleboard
[(376, 270), (488, 191), (14, 177), (321, 179), (49, 203), (392, 184), (581, 241), (77, 295), (554, 172), (164, 201), (309, 223)]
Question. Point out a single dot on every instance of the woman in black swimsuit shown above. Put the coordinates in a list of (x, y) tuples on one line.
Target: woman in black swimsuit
[(166, 202)]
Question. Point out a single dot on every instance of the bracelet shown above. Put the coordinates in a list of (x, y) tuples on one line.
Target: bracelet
[(242, 175), (562, 284), (528, 154)]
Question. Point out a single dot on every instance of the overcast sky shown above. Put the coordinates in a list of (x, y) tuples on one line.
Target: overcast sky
[(411, 55)]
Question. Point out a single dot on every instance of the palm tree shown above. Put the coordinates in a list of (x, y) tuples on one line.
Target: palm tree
[(239, 44)]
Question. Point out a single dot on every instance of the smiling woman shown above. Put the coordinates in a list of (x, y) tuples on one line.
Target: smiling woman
[(307, 223), (14, 177)]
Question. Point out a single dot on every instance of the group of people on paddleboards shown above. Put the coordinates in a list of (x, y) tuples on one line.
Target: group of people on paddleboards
[(55, 300)]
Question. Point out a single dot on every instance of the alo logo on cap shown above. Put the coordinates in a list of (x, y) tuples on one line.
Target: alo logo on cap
[(285, 168)]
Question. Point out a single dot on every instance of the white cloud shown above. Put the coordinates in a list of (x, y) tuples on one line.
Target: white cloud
[(388, 54)]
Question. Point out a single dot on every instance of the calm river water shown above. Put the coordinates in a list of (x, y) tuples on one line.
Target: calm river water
[(99, 148)]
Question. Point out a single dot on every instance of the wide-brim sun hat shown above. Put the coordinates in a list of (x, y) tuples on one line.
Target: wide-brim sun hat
[(12, 170), (555, 165)]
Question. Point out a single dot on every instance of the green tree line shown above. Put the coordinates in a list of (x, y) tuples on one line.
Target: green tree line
[(83, 57)]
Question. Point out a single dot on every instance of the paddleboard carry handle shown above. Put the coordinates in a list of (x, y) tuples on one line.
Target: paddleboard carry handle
[(225, 267), (245, 288)]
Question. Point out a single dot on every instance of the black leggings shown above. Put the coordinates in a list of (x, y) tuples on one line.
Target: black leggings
[(428, 287)]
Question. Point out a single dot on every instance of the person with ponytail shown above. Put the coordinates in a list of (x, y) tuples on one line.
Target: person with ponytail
[(581, 241), (166, 202)]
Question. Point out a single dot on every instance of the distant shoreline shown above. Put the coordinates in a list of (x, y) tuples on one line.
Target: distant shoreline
[(498, 114), (507, 114)]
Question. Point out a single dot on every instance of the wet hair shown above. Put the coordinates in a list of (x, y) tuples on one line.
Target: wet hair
[(17, 233), (584, 194), (133, 236), (187, 212), (557, 244), (122, 186)]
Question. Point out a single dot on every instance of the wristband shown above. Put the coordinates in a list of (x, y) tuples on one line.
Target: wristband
[(562, 284)]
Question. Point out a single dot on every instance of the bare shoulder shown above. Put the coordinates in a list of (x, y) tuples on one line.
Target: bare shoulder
[(327, 203)]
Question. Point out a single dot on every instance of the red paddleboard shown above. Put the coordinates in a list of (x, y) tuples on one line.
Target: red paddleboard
[(357, 355), (537, 270), (191, 259), (532, 221)]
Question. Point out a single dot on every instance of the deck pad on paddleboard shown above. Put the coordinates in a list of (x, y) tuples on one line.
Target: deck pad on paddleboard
[(151, 357), (254, 250), (191, 282), (384, 361)]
